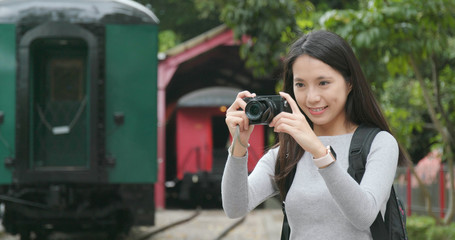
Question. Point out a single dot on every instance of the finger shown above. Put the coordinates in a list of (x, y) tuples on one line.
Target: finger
[(275, 120), (291, 102), (246, 123), (283, 128), (239, 114), (232, 122), (239, 103), (236, 114), (280, 116), (286, 125), (286, 121), (245, 94), (235, 105)]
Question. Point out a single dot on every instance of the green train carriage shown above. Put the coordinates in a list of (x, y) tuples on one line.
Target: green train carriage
[(78, 115)]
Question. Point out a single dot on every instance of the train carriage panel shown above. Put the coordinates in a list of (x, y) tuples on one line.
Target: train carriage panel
[(131, 115), (7, 98)]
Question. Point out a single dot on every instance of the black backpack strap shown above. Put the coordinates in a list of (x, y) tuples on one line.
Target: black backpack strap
[(379, 229), (358, 152), (286, 229), (359, 149), (290, 179)]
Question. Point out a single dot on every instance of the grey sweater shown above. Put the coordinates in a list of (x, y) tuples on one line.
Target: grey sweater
[(321, 203)]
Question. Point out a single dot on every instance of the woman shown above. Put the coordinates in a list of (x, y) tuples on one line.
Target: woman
[(329, 97)]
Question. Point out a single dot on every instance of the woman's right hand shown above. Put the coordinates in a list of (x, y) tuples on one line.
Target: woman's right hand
[(235, 116)]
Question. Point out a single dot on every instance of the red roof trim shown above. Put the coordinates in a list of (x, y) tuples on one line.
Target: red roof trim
[(167, 67)]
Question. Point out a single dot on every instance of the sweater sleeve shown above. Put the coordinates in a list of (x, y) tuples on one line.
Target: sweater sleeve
[(362, 203), (242, 193)]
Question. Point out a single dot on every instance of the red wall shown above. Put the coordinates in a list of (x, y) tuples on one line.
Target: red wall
[(194, 140)]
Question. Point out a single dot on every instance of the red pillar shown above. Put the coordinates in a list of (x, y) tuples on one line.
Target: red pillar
[(160, 194), (165, 73)]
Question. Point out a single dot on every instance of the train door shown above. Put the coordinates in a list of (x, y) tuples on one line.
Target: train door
[(59, 124), (59, 121)]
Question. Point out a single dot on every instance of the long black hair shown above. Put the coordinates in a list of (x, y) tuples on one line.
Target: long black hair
[(361, 106)]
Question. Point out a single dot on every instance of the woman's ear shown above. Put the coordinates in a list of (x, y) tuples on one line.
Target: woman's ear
[(349, 85)]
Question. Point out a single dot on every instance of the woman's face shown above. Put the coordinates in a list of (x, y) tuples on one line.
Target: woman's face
[(321, 92)]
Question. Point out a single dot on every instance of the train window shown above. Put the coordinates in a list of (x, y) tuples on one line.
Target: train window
[(72, 71), (60, 68)]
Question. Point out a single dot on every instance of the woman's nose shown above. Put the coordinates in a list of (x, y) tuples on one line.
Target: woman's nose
[(313, 96)]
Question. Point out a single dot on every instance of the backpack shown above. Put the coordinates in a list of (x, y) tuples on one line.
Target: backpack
[(393, 227)]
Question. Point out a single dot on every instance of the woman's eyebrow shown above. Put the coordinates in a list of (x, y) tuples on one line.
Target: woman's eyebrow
[(323, 77), (297, 79)]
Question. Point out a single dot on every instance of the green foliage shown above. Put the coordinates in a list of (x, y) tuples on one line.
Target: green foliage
[(167, 39), (387, 37), (425, 228), (418, 226), (396, 30), (179, 21), (402, 102), (442, 232), (270, 24)]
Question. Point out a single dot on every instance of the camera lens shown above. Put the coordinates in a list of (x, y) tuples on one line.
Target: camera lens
[(254, 110)]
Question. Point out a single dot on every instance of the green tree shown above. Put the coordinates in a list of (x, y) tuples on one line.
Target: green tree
[(269, 24), (179, 21), (410, 44)]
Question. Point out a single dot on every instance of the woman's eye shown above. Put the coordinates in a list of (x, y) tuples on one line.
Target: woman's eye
[(323, 83), (299, 84)]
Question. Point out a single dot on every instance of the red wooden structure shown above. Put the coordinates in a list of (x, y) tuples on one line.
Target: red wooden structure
[(166, 70), (209, 60)]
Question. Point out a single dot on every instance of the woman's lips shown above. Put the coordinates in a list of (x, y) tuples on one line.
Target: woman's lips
[(317, 111)]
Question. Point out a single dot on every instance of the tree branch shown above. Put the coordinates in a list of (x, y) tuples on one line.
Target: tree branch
[(427, 98), (437, 90), (446, 136)]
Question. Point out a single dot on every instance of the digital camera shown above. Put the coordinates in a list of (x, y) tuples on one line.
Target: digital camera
[(261, 110)]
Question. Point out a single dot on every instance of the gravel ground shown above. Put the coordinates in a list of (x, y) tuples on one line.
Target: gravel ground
[(261, 224)]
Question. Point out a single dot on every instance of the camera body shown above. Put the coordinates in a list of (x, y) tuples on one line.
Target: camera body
[(260, 110)]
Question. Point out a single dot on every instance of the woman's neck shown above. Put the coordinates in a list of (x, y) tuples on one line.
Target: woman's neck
[(346, 128)]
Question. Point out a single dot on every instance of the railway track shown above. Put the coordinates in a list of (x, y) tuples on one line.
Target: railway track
[(219, 236), (171, 225), (193, 225)]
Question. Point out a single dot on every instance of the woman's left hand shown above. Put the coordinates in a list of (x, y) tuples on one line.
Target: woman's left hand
[(296, 125)]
